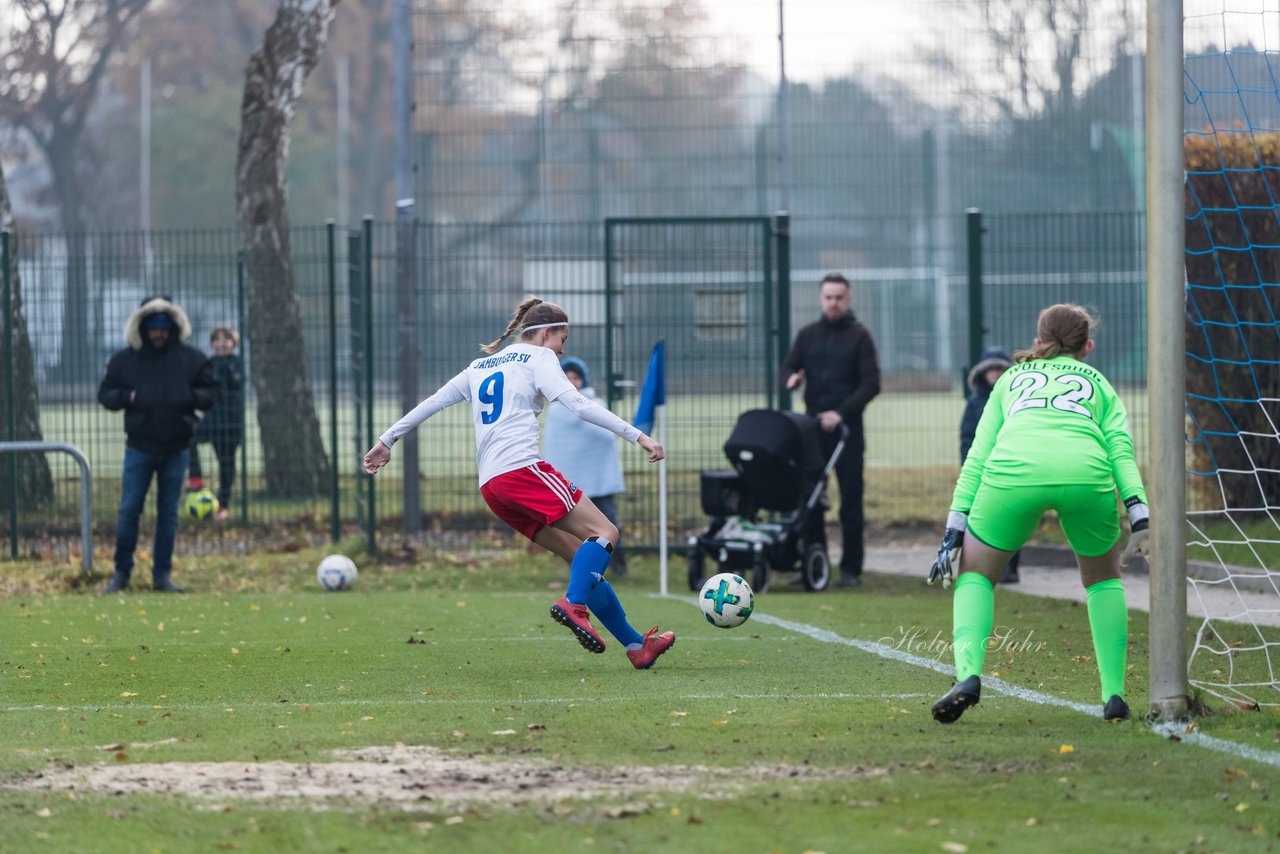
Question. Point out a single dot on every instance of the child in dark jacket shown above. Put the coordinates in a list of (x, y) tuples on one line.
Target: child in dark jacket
[(982, 377), (223, 426)]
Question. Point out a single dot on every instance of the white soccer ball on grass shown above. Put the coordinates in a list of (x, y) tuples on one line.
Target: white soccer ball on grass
[(726, 600), (336, 572)]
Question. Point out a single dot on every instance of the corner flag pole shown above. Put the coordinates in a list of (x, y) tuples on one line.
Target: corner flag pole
[(651, 417), (662, 502)]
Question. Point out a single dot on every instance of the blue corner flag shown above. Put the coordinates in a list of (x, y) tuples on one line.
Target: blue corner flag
[(654, 392)]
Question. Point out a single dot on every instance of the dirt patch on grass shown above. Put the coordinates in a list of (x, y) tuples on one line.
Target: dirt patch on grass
[(419, 778)]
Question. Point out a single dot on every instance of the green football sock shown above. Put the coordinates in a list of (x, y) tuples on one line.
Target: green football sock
[(973, 607), (1109, 622)]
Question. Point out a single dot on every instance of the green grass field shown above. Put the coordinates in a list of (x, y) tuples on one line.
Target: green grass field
[(225, 720)]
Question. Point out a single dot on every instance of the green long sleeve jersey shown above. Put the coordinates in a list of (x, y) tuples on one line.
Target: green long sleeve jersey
[(1051, 421)]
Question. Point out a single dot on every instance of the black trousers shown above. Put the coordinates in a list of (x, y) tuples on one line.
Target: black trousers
[(848, 471), (224, 449)]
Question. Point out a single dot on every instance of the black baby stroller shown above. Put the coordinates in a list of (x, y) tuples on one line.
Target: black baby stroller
[(778, 472)]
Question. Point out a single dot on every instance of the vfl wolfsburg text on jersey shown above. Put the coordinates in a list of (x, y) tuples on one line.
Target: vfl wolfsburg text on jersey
[(1051, 421)]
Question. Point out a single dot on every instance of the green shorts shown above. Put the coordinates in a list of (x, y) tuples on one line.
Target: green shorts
[(1005, 517)]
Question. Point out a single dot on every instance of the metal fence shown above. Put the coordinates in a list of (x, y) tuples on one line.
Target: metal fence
[(725, 294)]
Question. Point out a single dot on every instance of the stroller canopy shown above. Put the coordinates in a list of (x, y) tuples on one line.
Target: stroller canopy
[(778, 456)]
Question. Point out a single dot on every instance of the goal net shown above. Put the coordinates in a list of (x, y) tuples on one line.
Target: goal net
[(1232, 155)]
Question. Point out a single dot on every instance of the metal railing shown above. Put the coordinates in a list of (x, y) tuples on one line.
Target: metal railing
[(86, 497)]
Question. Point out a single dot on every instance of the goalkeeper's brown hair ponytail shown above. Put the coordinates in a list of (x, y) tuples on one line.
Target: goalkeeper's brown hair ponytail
[(1063, 329), (531, 312)]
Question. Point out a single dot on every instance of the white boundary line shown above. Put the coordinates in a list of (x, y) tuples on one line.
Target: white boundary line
[(1165, 730)]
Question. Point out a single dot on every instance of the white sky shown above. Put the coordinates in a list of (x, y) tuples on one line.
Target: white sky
[(824, 38)]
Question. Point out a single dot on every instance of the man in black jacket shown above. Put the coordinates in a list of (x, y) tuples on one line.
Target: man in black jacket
[(835, 359), (159, 382)]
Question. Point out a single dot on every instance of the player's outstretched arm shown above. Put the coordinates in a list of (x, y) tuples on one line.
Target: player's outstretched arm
[(653, 446), (377, 457)]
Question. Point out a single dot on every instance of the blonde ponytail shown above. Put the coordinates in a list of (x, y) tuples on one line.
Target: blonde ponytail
[(517, 320)]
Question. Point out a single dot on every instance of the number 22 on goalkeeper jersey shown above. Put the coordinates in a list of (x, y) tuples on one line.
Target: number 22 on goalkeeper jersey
[(1052, 421)]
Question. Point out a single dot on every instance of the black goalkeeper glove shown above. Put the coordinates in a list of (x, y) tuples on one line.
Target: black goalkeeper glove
[(949, 553)]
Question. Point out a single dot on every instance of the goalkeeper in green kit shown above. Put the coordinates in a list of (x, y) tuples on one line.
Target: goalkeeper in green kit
[(1054, 436)]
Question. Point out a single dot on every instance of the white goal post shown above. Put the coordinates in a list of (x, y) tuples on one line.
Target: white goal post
[(1166, 386)]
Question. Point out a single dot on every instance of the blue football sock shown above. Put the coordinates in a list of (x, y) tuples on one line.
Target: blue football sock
[(589, 564), (604, 603)]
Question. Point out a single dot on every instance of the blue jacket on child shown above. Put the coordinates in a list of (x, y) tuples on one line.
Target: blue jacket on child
[(585, 454), (981, 393)]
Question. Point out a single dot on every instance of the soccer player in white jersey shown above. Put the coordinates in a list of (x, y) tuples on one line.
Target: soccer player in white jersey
[(507, 390)]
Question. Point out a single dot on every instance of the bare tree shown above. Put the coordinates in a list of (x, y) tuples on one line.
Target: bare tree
[(53, 54), (293, 453), (1034, 61), (34, 482)]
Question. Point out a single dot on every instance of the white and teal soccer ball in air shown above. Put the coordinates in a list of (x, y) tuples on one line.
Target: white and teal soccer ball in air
[(336, 572), (726, 600)]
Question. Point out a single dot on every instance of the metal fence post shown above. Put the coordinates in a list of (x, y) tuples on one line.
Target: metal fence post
[(372, 526), (782, 237), (244, 410), (610, 372), (335, 522), (771, 314), (11, 428), (355, 336), (973, 222)]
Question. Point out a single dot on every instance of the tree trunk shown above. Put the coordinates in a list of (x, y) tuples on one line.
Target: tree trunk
[(34, 482), (293, 454)]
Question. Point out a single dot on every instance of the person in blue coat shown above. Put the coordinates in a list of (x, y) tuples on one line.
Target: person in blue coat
[(982, 378), (586, 454)]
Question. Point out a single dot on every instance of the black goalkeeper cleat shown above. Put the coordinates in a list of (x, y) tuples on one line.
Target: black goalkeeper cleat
[(961, 696), (1115, 710)]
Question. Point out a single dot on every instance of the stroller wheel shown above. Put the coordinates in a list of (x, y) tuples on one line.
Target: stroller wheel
[(759, 573), (817, 568), (696, 572)]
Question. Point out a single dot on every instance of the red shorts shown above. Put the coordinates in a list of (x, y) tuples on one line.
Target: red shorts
[(531, 498)]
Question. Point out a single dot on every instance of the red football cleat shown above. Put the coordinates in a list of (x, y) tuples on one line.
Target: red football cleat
[(578, 620), (654, 645)]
